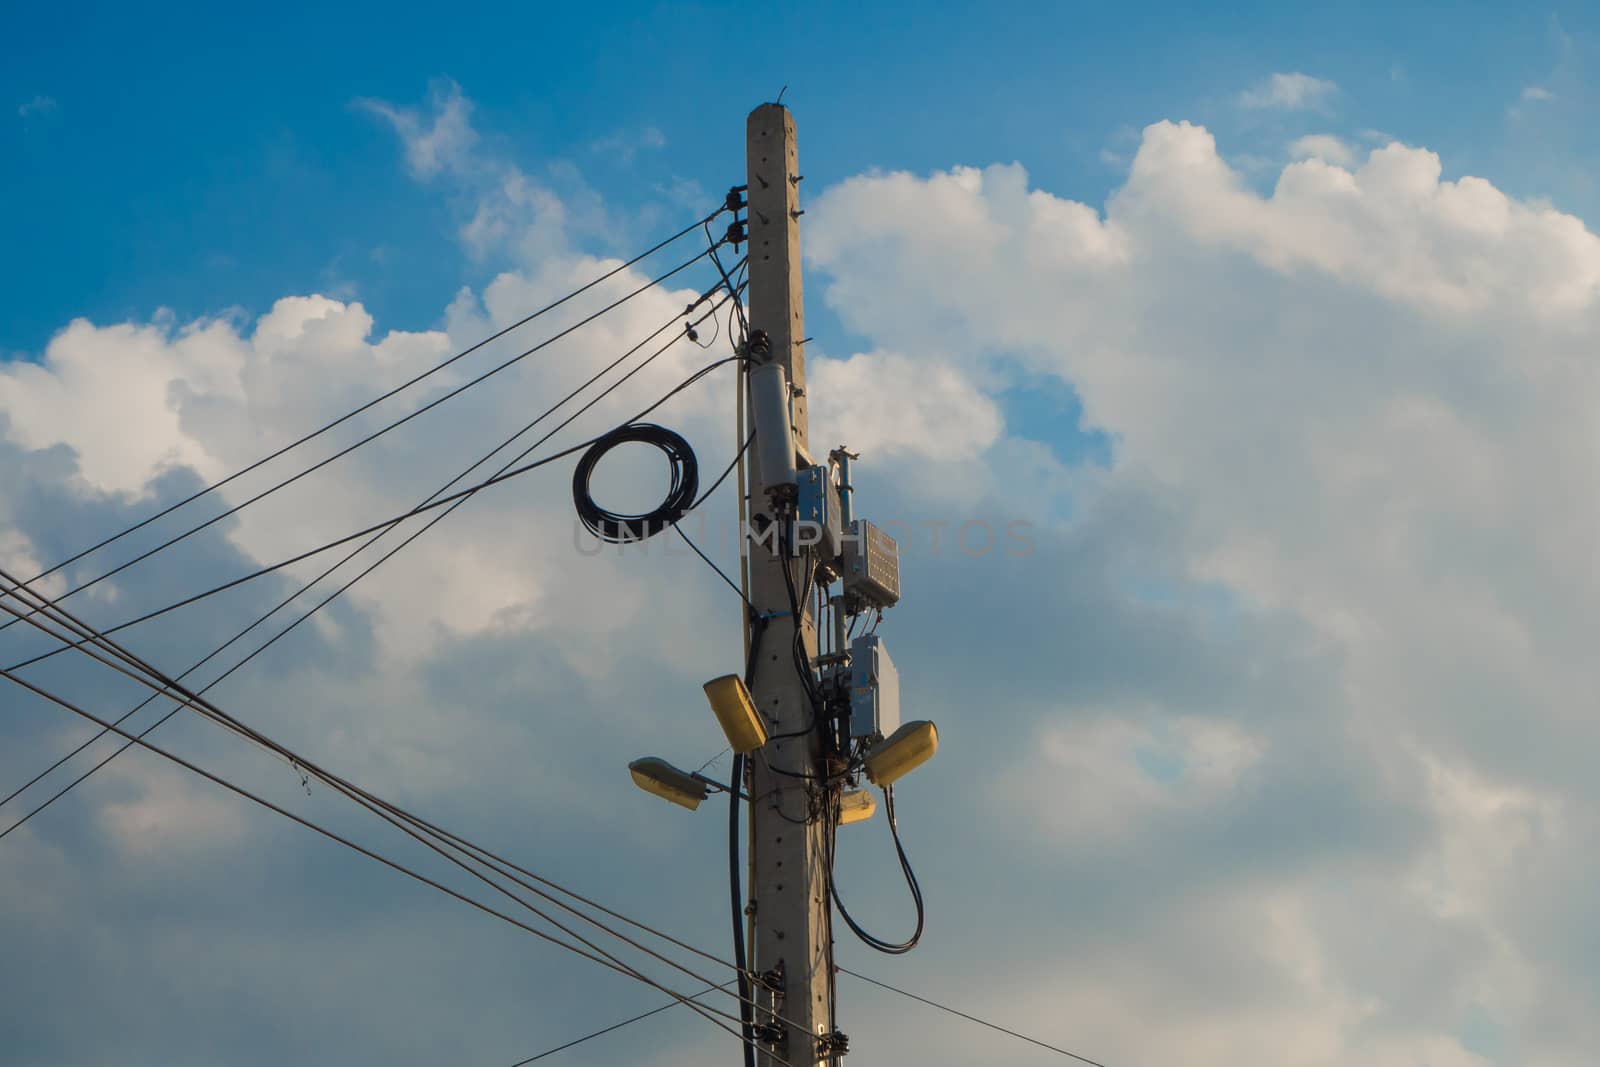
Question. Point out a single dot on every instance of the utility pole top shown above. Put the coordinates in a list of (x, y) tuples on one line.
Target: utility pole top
[(777, 302)]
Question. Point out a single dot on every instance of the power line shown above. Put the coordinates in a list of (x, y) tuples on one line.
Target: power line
[(614, 1026), (389, 812), (348, 843), (101, 635), (712, 564), (374, 435), (385, 396), (738, 308), (737, 456), (368, 570), (598, 956), (386, 523), (50, 611), (971, 1018), (418, 829), (390, 554), (737, 905)]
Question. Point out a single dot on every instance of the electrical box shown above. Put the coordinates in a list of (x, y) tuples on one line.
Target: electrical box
[(871, 566), (874, 689), (817, 517)]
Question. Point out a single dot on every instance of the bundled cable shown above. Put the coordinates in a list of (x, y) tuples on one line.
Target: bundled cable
[(617, 528), (436, 368), (891, 948), (351, 555), (438, 502), (475, 860), (736, 781)]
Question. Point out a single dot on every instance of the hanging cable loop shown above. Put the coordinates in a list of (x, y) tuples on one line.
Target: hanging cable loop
[(615, 528)]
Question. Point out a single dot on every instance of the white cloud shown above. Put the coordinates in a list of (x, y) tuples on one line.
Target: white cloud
[(1353, 394), (892, 406), (512, 215), (109, 393), (1280, 732), (39, 105), (17, 557), (1536, 92), (1103, 775), (623, 147), (1323, 146), (516, 211), (1344, 225), (1289, 92), (433, 143), (133, 402), (171, 813)]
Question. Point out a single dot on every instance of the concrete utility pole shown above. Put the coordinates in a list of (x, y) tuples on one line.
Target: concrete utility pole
[(788, 875)]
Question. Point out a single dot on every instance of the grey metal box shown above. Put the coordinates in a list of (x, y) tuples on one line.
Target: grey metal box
[(818, 511), (874, 689), (871, 565)]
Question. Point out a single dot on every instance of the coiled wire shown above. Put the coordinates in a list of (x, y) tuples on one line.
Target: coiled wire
[(614, 528)]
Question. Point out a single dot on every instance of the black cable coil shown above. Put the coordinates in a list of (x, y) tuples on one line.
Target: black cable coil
[(618, 529)]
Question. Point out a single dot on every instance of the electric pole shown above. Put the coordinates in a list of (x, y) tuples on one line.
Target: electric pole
[(805, 728), (788, 847)]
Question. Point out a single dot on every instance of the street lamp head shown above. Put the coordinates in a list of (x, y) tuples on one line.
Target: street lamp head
[(657, 776), (902, 752), (856, 806), (737, 713)]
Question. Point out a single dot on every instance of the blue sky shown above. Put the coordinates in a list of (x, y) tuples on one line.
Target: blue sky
[(1270, 326), (196, 160)]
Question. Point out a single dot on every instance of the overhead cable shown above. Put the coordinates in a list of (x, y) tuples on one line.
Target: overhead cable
[(299, 761), (359, 548), (736, 901), (370, 854), (430, 405), (892, 948), (971, 1018), (433, 505), (382, 397), (422, 831), (618, 1026)]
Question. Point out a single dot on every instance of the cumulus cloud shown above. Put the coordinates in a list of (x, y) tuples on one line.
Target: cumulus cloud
[(485, 674), (896, 406), (108, 392), (1289, 92), (1340, 223), (1323, 146), (1277, 725), (1351, 394), (492, 623)]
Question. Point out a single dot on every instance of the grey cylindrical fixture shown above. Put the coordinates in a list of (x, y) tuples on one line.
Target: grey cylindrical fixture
[(846, 511), (840, 637), (769, 403)]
